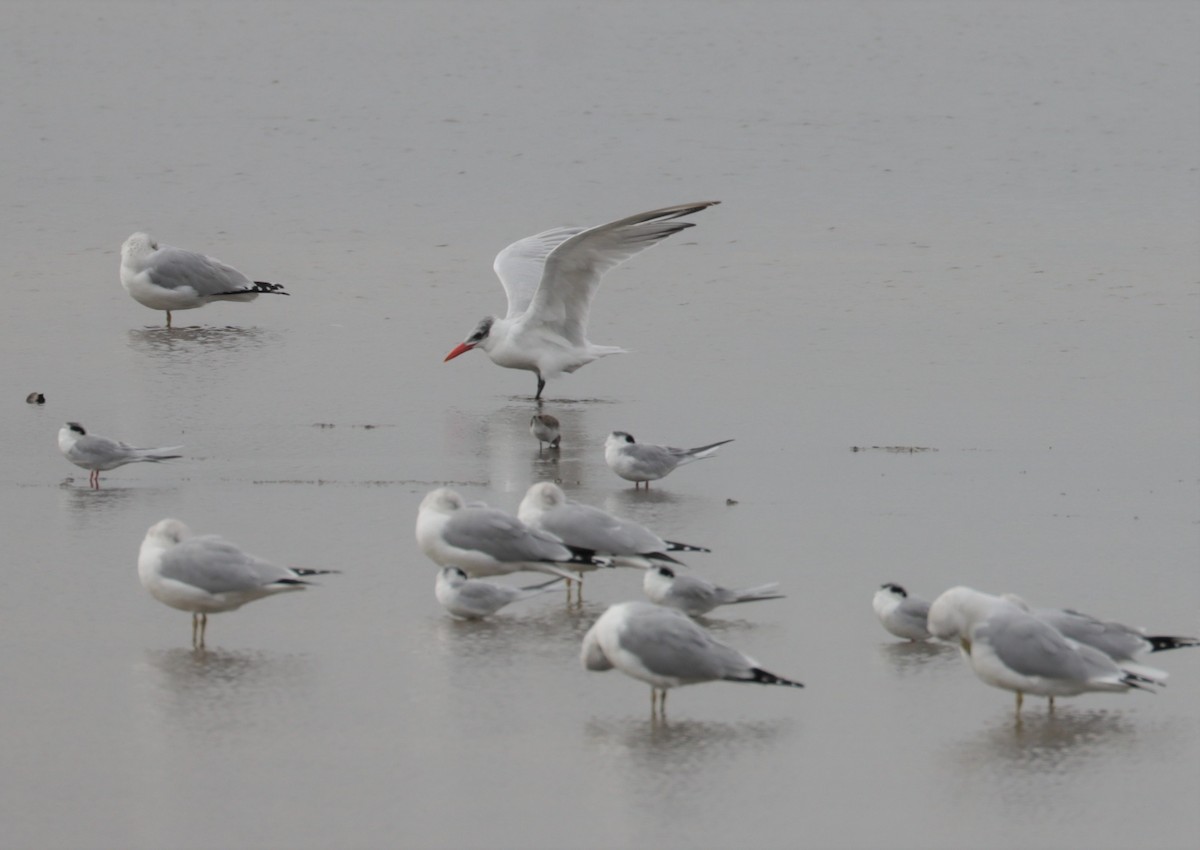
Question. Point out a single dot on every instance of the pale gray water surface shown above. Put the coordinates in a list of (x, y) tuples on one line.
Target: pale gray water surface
[(966, 226)]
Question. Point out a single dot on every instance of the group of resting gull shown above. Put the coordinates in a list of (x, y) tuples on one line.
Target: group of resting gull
[(550, 280)]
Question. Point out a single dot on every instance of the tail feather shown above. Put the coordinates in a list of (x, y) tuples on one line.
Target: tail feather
[(763, 591), (260, 287), (762, 677), (1159, 643), (674, 546), (303, 571), (706, 451), (155, 455)]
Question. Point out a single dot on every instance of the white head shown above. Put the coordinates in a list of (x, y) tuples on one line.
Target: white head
[(168, 532), (546, 495), (451, 576), (617, 439), (443, 500), (138, 245), (954, 612)]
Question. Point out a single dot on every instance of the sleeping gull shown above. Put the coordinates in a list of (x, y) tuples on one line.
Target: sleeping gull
[(164, 278), (207, 574), (665, 648)]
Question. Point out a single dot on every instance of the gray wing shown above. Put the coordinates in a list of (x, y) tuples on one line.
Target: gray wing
[(96, 449), (915, 609), (591, 528), (175, 268), (1032, 648), (217, 566), (1113, 639), (655, 460), (501, 536), (520, 265), (696, 593), (484, 597), (670, 644), (573, 270)]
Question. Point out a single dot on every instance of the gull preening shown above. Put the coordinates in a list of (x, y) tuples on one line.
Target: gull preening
[(550, 279), (100, 454), (474, 599), (547, 507), (646, 462), (545, 429), (901, 613), (666, 649), (1009, 648), (165, 278), (485, 541), (207, 574), (695, 596), (1116, 640)]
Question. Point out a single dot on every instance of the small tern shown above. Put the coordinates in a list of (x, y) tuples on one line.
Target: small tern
[(901, 613), (484, 541), (208, 575), (544, 427), (1009, 648), (100, 454), (695, 596), (164, 278), (550, 279), (474, 599), (645, 462), (665, 648)]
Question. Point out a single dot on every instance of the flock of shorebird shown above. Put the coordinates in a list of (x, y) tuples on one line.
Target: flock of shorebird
[(550, 280)]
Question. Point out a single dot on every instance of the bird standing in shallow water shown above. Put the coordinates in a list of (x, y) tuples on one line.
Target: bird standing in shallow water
[(646, 462), (545, 429), (665, 648), (164, 278), (208, 575), (900, 613), (550, 280), (100, 454)]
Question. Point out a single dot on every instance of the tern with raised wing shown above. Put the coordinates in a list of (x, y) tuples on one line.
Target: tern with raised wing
[(207, 574), (100, 454), (646, 462), (550, 279), (164, 278)]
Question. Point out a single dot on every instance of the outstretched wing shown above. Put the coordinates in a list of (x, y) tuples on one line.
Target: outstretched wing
[(520, 265), (573, 268)]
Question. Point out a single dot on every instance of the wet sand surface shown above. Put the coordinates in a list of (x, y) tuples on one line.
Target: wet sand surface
[(968, 228)]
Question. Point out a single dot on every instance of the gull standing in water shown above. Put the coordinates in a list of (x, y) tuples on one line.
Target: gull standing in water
[(164, 278), (100, 454), (1009, 648), (665, 648), (474, 599), (695, 596), (207, 574), (547, 507), (550, 280), (646, 462), (1116, 640), (544, 427), (901, 613), (484, 541)]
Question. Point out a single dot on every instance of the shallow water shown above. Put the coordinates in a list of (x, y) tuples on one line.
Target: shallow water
[(963, 227)]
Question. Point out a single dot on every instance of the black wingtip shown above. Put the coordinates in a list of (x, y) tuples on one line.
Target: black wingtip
[(762, 677), (1160, 642), (675, 546)]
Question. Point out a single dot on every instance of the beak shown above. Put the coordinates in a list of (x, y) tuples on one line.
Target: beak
[(458, 349)]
